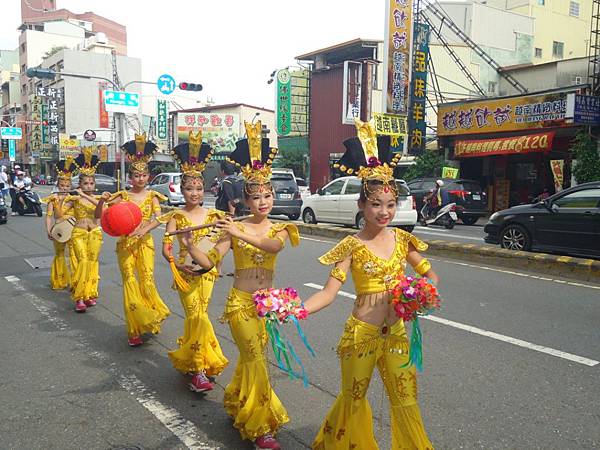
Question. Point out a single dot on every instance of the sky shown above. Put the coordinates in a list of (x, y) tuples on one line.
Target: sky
[(229, 46)]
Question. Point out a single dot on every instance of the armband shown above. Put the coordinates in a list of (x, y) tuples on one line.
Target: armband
[(168, 239), (214, 256), (157, 209), (280, 239), (338, 274), (423, 267)]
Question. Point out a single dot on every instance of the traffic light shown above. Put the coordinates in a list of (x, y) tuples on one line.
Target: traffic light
[(36, 72), (185, 86)]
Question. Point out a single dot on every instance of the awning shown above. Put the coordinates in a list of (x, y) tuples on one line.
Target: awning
[(540, 142)]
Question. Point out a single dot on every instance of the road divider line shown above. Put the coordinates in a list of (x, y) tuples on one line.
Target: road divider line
[(182, 428), (491, 334), (441, 233)]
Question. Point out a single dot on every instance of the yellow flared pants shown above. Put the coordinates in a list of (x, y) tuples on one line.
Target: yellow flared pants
[(249, 398), (144, 309), (349, 423), (86, 247), (60, 277), (199, 349)]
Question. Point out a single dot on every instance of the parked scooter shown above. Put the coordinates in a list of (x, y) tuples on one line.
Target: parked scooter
[(3, 209), (445, 216), (32, 202)]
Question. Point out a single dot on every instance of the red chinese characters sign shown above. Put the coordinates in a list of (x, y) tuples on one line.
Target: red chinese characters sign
[(398, 49), (221, 131), (541, 142)]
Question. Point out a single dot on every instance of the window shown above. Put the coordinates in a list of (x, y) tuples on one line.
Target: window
[(538, 52), (353, 187), (558, 49), (23, 68), (587, 198), (492, 85), (334, 188), (574, 9), (541, 2)]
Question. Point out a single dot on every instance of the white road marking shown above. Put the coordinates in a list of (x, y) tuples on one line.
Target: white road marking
[(492, 335), (447, 235), (185, 430), (491, 269)]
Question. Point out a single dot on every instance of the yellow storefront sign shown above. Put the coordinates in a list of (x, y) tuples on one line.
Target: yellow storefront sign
[(507, 114), (390, 124), (449, 172)]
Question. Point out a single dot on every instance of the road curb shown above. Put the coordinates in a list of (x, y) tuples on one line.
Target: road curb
[(566, 266)]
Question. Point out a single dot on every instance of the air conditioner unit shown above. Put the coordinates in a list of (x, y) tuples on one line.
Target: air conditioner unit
[(578, 80)]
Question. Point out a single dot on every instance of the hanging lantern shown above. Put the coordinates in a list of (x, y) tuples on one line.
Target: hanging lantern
[(121, 218)]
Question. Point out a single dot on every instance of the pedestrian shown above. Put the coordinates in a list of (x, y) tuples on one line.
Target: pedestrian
[(373, 334), (229, 198), (249, 398), (199, 353), (86, 240), (4, 181), (60, 275), (144, 309)]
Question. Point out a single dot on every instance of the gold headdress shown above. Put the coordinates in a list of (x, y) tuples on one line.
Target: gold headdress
[(65, 168), (139, 152), (193, 155), (253, 155), (87, 162), (369, 157)]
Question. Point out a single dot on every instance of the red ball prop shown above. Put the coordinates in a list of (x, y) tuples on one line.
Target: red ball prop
[(121, 219)]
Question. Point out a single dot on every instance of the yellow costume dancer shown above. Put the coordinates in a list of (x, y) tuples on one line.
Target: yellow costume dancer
[(143, 307), (373, 335), (199, 352), (60, 277), (86, 239), (249, 398)]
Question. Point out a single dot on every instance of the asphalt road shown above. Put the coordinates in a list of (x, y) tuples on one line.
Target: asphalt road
[(511, 360)]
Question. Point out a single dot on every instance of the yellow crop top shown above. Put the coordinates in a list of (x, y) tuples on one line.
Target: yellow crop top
[(246, 256), (370, 273), (54, 200), (81, 210), (182, 221), (147, 206)]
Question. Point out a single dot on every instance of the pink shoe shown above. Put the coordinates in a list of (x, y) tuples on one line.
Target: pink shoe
[(135, 341), (200, 383), (80, 306), (90, 302), (267, 441)]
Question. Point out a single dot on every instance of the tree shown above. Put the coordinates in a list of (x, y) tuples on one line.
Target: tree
[(53, 51), (428, 164), (292, 158), (585, 150)]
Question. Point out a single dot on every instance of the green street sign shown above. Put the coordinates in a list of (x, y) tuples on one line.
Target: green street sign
[(284, 102)]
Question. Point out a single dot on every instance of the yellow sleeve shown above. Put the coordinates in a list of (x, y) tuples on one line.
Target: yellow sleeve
[(164, 218), (48, 199), (159, 196), (417, 243), (292, 230), (341, 251), (123, 194)]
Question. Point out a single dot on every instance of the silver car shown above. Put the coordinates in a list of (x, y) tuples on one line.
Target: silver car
[(167, 184)]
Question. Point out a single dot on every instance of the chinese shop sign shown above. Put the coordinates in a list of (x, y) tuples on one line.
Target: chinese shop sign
[(541, 142), (351, 95), (417, 124), (508, 114), (557, 166), (390, 124), (284, 102), (36, 124), (161, 120), (583, 109), (398, 49), (220, 131)]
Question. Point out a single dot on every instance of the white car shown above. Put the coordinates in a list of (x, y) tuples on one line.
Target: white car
[(303, 187), (337, 202)]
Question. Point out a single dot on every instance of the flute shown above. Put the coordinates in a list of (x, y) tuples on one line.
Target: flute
[(204, 225)]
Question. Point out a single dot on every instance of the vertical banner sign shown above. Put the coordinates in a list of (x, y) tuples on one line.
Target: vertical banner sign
[(557, 166), (102, 113), (12, 153), (161, 120), (417, 124), (398, 49), (351, 95), (284, 102), (36, 124)]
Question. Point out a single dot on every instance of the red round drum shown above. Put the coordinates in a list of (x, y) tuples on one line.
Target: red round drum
[(121, 218)]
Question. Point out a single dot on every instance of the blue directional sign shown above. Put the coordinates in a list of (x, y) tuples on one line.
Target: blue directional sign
[(12, 147), (166, 84), (120, 101), (11, 133)]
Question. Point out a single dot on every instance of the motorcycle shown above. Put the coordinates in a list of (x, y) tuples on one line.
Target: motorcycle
[(33, 205), (3, 210), (445, 216)]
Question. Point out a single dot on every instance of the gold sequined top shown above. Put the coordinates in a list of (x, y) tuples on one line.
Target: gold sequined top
[(372, 274), (82, 210), (247, 256), (54, 200), (147, 206)]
